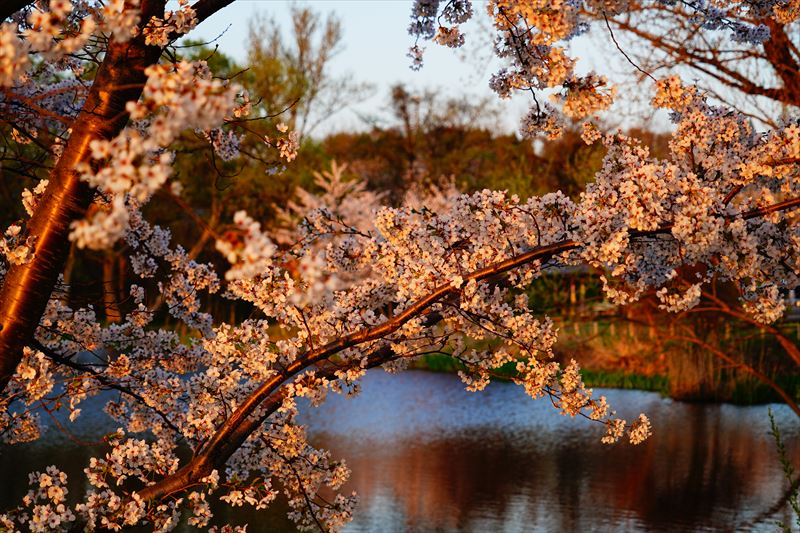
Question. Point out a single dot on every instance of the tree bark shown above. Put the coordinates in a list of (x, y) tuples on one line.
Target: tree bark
[(110, 297), (27, 288)]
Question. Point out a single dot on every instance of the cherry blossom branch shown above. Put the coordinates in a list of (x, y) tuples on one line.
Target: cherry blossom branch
[(787, 205), (67, 361), (202, 464), (120, 79), (713, 66), (309, 503), (268, 397)]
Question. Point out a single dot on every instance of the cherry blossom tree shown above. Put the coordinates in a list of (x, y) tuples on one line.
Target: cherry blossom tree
[(95, 87), (760, 79)]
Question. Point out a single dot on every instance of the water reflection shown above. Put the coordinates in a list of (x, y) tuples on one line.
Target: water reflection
[(428, 456)]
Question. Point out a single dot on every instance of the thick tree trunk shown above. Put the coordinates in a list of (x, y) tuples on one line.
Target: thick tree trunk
[(110, 297), (26, 288), (69, 268)]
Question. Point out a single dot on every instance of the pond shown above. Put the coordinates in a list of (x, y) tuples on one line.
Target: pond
[(428, 456)]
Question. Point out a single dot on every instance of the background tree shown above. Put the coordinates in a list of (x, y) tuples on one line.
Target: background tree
[(292, 74)]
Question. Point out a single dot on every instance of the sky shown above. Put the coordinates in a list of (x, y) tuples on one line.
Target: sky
[(375, 44)]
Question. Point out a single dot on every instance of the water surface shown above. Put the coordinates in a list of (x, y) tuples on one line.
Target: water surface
[(428, 456)]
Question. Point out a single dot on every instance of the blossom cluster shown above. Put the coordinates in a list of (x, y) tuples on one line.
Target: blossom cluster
[(17, 249), (47, 501), (160, 31), (128, 169), (531, 39), (287, 142), (58, 28)]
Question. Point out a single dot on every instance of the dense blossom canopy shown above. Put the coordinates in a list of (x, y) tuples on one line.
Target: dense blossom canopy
[(346, 285)]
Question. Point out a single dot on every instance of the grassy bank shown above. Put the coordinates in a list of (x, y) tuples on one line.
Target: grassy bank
[(622, 380), (741, 391), (610, 380)]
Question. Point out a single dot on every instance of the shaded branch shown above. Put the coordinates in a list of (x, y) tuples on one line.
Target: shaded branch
[(67, 361)]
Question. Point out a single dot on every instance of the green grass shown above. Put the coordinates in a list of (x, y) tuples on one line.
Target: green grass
[(437, 363), (612, 380), (622, 380), (743, 391)]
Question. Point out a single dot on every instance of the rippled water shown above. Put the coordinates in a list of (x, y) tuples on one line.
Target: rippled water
[(428, 456)]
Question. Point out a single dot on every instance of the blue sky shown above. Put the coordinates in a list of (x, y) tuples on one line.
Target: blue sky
[(375, 46)]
